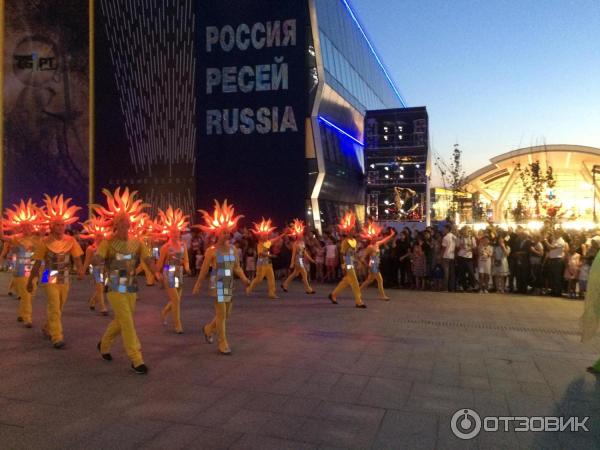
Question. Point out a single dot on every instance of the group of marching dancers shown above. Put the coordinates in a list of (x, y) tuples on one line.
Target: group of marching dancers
[(120, 231)]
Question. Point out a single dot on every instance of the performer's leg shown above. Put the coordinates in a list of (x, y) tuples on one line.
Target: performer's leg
[(175, 297), (99, 296), (340, 287), (368, 281), (353, 282), (25, 309), (268, 271), (53, 310), (260, 274), (148, 273), (123, 306), (307, 287), (379, 279), (222, 312), (289, 279)]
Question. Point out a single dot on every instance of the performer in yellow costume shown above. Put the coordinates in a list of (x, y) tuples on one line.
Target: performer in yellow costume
[(97, 229), (370, 234), (347, 255), (264, 266), (299, 253), (20, 220), (9, 256), (56, 250), (144, 228), (222, 260), (174, 261), (120, 254)]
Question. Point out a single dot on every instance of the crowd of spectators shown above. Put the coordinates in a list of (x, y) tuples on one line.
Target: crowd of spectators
[(444, 258)]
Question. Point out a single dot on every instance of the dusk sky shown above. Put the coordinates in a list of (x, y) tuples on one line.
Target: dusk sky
[(495, 75)]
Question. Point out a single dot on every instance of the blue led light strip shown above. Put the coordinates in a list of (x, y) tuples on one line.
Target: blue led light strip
[(338, 129), (345, 2)]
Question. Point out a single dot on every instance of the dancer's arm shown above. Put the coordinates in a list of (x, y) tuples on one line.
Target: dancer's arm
[(206, 264)]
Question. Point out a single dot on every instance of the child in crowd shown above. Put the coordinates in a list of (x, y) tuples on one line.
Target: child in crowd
[(584, 272), (572, 271), (484, 263), (418, 264)]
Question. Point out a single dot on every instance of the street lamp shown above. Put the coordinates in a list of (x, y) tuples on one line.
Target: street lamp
[(595, 170)]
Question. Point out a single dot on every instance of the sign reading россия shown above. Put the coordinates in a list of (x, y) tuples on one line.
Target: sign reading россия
[(264, 76)]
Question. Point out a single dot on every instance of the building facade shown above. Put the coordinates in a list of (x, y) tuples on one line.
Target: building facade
[(499, 192), (258, 101), (396, 160), (323, 75)]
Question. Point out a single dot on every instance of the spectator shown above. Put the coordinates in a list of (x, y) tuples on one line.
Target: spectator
[(484, 263), (555, 260), (500, 268), (535, 250), (572, 271), (448, 255), (419, 263), (403, 258), (464, 259), (331, 260)]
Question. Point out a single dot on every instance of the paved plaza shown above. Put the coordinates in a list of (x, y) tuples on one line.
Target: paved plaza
[(304, 374)]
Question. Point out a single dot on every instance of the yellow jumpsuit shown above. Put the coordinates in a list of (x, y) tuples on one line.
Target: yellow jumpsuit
[(7, 253), (143, 267), (56, 255), (347, 254), (298, 255), (264, 269), (374, 273), (24, 246), (120, 261), (97, 273), (173, 262), (224, 264)]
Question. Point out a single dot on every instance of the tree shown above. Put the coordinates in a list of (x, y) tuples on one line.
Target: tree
[(535, 182), (453, 178)]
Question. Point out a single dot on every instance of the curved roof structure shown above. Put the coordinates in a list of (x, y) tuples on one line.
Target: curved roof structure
[(572, 166)]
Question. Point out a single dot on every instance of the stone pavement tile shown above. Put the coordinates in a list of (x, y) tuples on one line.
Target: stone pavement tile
[(300, 406), (510, 387), (359, 415), (337, 433), (325, 378), (403, 373), (536, 388), (472, 369), (282, 426), (385, 393), (444, 379), (254, 442), (180, 436), (178, 411), (401, 429), (333, 393), (505, 440), (246, 421), (266, 402), (123, 434), (474, 382), (352, 381), (488, 403), (528, 405), (439, 399)]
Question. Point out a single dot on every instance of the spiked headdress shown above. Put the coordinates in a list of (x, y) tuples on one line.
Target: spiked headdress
[(222, 219)]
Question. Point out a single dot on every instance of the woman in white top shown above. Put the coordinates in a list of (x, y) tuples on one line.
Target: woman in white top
[(484, 263), (500, 264)]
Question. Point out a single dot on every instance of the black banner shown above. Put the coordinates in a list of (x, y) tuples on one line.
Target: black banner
[(252, 105)]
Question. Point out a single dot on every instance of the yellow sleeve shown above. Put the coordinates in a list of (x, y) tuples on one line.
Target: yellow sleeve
[(144, 251), (103, 248), (76, 250), (40, 251)]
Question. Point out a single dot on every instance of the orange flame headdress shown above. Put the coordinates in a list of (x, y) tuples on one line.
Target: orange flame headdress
[(370, 231), (143, 225), (121, 205), (348, 222), (57, 209), (222, 219), (95, 227), (171, 219), (297, 228), (22, 214), (263, 228)]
